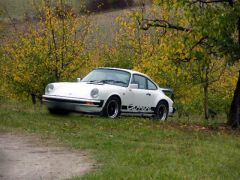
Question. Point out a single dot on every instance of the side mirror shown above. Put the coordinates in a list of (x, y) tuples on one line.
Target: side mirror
[(78, 79), (133, 86)]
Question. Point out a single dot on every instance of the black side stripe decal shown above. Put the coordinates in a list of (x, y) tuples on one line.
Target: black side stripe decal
[(124, 107)]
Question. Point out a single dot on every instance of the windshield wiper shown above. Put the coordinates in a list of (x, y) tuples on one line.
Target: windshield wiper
[(105, 81), (94, 81), (114, 81), (120, 82)]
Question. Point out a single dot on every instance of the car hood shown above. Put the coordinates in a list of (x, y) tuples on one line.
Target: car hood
[(77, 89)]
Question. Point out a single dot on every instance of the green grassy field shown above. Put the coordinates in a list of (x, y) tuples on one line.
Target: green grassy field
[(135, 148)]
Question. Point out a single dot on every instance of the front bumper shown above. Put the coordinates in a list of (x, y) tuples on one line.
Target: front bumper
[(73, 104)]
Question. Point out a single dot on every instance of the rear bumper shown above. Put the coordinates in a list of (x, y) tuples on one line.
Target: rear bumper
[(73, 104), (172, 110)]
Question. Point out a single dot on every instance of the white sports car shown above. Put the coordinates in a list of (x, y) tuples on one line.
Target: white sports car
[(109, 92)]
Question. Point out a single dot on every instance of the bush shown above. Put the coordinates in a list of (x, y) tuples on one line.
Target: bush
[(104, 5)]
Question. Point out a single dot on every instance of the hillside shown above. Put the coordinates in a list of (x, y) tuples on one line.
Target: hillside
[(19, 8)]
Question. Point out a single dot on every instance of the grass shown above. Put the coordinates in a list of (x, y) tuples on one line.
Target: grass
[(135, 148)]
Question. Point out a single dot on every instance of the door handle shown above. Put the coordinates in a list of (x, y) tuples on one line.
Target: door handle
[(148, 94)]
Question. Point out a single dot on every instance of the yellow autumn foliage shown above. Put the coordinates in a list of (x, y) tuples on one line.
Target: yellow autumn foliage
[(53, 49), (154, 52)]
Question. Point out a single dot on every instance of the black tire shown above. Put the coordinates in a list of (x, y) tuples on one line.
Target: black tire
[(161, 111), (112, 108), (56, 111)]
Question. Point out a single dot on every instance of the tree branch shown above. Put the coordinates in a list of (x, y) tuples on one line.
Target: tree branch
[(188, 59), (147, 23), (231, 2), (201, 41)]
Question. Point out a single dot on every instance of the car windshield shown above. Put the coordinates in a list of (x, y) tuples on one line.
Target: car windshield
[(108, 76)]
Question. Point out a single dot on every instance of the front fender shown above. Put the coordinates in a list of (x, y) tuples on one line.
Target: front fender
[(110, 95), (107, 92)]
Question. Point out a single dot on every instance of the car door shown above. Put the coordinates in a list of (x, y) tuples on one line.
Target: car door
[(140, 99), (153, 93)]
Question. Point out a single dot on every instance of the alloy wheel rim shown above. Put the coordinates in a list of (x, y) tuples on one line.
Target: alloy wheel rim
[(112, 109), (162, 112)]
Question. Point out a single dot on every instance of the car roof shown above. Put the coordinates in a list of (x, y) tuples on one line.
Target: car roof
[(122, 69)]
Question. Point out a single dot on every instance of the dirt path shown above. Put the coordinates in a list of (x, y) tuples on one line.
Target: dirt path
[(26, 158)]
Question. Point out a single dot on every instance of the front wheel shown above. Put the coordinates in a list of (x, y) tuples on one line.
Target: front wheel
[(56, 111), (161, 111), (112, 108)]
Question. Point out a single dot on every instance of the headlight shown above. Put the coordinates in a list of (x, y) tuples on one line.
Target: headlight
[(49, 88), (94, 93)]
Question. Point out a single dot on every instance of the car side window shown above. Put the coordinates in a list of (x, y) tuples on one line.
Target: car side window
[(140, 80), (151, 85)]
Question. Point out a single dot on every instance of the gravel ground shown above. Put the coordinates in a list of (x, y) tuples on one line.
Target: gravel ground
[(26, 157)]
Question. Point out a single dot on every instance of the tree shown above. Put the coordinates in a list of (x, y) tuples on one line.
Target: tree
[(173, 55), (51, 49), (215, 23), (152, 54), (104, 5)]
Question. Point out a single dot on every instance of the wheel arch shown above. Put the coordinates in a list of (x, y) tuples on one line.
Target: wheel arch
[(104, 111), (162, 114), (114, 95), (165, 101)]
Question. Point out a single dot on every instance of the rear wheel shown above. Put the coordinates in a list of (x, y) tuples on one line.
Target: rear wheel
[(161, 111), (112, 107)]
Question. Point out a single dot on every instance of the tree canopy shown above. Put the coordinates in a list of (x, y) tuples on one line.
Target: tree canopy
[(190, 45)]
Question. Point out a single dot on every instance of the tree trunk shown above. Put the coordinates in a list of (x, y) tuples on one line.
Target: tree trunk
[(238, 31), (205, 89), (234, 114), (206, 107), (34, 100)]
